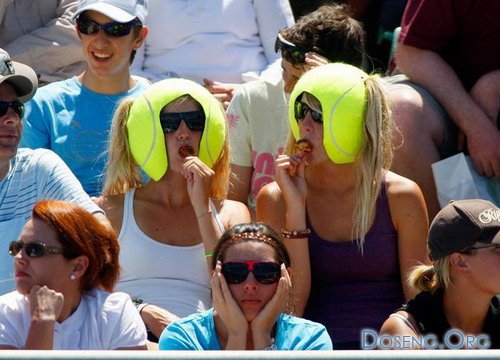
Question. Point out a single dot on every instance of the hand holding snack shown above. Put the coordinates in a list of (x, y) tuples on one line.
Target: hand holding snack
[(300, 150)]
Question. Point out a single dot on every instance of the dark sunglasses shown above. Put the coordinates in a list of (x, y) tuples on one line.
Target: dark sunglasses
[(489, 246), (170, 121), (33, 249), (302, 109), (16, 105), (264, 272), (114, 28), (289, 51)]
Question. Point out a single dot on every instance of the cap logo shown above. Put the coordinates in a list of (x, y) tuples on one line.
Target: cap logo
[(6, 67), (489, 215)]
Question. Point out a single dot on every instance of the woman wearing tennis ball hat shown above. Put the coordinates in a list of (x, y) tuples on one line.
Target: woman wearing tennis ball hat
[(175, 133), (352, 227)]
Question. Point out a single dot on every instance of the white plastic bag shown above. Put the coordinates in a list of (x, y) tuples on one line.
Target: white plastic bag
[(456, 179)]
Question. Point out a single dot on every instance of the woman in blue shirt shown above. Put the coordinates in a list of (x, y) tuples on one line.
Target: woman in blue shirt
[(250, 291)]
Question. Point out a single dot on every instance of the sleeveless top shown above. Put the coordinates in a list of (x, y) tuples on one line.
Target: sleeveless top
[(427, 310), (175, 278), (351, 291)]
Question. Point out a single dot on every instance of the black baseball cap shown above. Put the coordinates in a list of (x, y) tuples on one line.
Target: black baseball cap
[(461, 224)]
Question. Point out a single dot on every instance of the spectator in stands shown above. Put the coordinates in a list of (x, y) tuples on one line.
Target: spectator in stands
[(449, 51), (66, 265), (459, 290), (258, 115), (219, 44), (73, 117), (40, 34), (26, 176), (176, 132), (250, 289), (353, 229)]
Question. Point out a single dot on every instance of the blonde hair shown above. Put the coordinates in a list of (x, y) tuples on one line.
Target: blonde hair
[(430, 277), (123, 173), (374, 157)]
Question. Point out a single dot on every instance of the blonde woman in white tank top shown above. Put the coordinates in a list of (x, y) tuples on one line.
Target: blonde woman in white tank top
[(169, 225)]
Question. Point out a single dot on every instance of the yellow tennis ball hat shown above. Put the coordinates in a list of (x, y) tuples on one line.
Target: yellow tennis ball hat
[(145, 134), (341, 91)]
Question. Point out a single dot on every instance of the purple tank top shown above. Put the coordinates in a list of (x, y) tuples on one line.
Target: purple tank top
[(350, 291)]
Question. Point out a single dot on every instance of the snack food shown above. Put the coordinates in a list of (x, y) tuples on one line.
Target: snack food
[(185, 151), (300, 149)]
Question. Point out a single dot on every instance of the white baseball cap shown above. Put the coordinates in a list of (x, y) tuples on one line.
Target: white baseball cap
[(122, 11), (20, 76)]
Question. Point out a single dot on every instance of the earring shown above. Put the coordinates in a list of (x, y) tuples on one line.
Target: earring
[(72, 277)]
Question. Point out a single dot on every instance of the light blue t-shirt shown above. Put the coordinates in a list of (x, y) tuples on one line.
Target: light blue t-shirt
[(33, 175), (197, 332), (74, 122)]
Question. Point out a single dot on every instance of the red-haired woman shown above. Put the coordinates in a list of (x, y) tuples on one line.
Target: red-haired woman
[(66, 265)]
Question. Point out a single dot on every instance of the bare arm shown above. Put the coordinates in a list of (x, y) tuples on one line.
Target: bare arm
[(241, 184), (427, 68), (409, 215), (271, 209)]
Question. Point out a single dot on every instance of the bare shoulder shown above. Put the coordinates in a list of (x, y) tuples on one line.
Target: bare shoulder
[(397, 324), (398, 185), (271, 206), (406, 200), (269, 194), (113, 208), (232, 212)]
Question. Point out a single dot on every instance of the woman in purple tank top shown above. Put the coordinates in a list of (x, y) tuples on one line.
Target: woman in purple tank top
[(353, 228)]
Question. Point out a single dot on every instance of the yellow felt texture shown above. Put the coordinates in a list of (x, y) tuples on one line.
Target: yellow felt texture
[(146, 137), (341, 91)]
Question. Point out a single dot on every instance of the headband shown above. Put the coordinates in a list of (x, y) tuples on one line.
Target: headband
[(250, 236), (341, 91), (145, 134)]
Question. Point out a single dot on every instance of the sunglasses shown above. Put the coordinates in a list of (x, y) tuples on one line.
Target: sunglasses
[(114, 28), (489, 246), (16, 105), (264, 272), (170, 121), (33, 249), (289, 51), (301, 110)]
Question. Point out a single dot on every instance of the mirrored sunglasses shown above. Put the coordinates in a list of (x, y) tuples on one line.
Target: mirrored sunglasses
[(264, 272), (301, 110), (170, 121), (290, 51), (33, 249), (16, 105), (114, 28)]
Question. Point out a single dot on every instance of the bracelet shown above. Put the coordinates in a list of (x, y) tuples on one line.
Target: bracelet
[(208, 254), (295, 234), (198, 217)]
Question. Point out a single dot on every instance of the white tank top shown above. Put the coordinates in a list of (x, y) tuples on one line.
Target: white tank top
[(175, 278)]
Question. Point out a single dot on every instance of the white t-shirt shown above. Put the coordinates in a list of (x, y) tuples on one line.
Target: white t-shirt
[(224, 40), (102, 321), (258, 130), (34, 175)]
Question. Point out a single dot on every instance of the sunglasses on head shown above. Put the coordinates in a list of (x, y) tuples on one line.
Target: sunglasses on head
[(16, 105), (301, 110), (114, 28), (33, 249), (290, 51), (264, 272), (170, 121)]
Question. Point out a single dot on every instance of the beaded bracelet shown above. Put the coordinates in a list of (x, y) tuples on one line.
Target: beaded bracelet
[(295, 234)]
